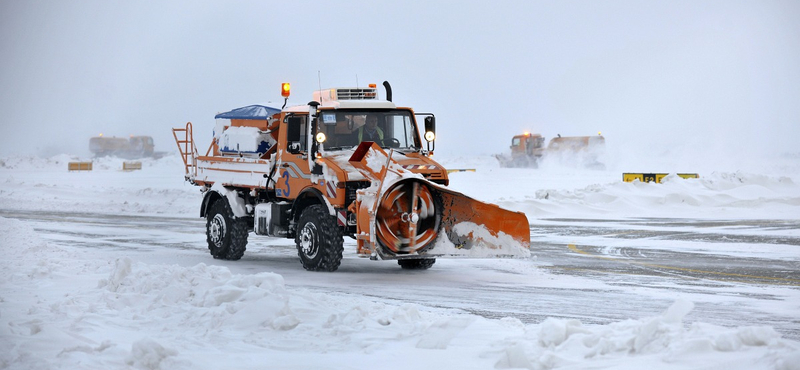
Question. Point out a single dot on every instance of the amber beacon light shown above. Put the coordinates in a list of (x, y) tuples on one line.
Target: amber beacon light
[(285, 89)]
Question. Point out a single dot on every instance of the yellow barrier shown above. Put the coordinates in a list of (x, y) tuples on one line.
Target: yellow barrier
[(79, 166), (654, 177), (131, 166), (462, 170)]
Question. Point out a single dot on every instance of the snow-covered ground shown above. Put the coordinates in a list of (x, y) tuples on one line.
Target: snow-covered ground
[(63, 306)]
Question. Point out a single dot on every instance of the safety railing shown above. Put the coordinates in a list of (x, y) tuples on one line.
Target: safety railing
[(187, 148)]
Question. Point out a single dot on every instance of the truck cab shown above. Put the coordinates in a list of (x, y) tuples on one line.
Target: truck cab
[(526, 150), (319, 140)]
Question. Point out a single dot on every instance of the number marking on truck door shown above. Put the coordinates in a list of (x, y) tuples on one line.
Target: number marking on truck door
[(285, 193)]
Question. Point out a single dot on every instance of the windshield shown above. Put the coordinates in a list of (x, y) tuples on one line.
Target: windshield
[(388, 128)]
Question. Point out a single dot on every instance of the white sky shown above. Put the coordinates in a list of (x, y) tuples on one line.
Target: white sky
[(691, 79)]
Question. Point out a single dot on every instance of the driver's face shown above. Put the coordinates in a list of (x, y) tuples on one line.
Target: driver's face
[(372, 122)]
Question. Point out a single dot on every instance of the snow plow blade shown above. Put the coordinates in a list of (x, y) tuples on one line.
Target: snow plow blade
[(472, 228)]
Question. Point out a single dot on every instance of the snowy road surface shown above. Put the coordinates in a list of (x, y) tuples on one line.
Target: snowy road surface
[(109, 270), (643, 265)]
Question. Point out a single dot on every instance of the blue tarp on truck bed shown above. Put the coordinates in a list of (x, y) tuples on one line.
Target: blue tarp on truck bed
[(249, 112)]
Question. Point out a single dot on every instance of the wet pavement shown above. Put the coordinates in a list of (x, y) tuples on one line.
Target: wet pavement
[(737, 272)]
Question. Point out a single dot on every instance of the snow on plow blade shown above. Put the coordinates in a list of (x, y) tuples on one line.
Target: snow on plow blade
[(411, 217), (473, 228)]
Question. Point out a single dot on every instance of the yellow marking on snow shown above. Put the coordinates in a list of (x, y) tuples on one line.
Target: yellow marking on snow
[(654, 177), (789, 281)]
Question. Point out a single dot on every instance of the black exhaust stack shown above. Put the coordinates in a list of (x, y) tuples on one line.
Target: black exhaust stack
[(388, 90)]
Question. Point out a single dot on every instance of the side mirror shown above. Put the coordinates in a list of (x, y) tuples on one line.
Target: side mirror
[(430, 124), (430, 132)]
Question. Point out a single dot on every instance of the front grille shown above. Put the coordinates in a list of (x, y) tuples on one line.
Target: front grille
[(350, 190)]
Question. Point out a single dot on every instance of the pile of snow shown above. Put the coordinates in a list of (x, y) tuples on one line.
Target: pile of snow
[(32, 183), (27, 163), (736, 195), (67, 309), (585, 193)]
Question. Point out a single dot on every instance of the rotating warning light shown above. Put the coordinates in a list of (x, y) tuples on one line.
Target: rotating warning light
[(430, 136), (285, 89)]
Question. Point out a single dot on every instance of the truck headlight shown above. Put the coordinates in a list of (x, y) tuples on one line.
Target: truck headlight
[(430, 136), (321, 137)]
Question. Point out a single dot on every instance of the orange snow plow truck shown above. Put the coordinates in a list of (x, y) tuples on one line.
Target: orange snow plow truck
[(346, 164), (132, 147), (528, 150)]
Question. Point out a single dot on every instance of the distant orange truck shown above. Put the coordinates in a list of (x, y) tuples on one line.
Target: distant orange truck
[(528, 150), (133, 147)]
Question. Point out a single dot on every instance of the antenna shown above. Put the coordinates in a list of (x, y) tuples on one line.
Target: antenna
[(357, 86), (319, 80)]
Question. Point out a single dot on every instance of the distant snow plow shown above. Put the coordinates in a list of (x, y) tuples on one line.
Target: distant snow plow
[(132, 147), (528, 150), (346, 164)]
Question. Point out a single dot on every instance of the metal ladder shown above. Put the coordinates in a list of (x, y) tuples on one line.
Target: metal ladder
[(187, 148)]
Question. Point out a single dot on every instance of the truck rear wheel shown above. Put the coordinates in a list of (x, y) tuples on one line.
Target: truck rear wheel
[(226, 234), (319, 240), (416, 264)]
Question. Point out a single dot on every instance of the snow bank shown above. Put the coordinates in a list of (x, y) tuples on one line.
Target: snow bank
[(659, 342), (584, 193), (737, 195), (58, 163), (31, 183), (70, 310)]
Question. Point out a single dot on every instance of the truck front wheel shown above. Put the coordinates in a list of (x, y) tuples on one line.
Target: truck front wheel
[(319, 240), (416, 264), (226, 234)]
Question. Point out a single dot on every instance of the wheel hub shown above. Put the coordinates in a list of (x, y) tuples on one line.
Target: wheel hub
[(217, 229), (410, 217), (309, 245), (407, 219)]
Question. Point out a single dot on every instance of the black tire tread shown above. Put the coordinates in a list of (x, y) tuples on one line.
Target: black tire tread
[(238, 229), (330, 237), (416, 263)]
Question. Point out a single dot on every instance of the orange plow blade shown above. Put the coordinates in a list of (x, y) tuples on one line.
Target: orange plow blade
[(417, 217), (472, 228)]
